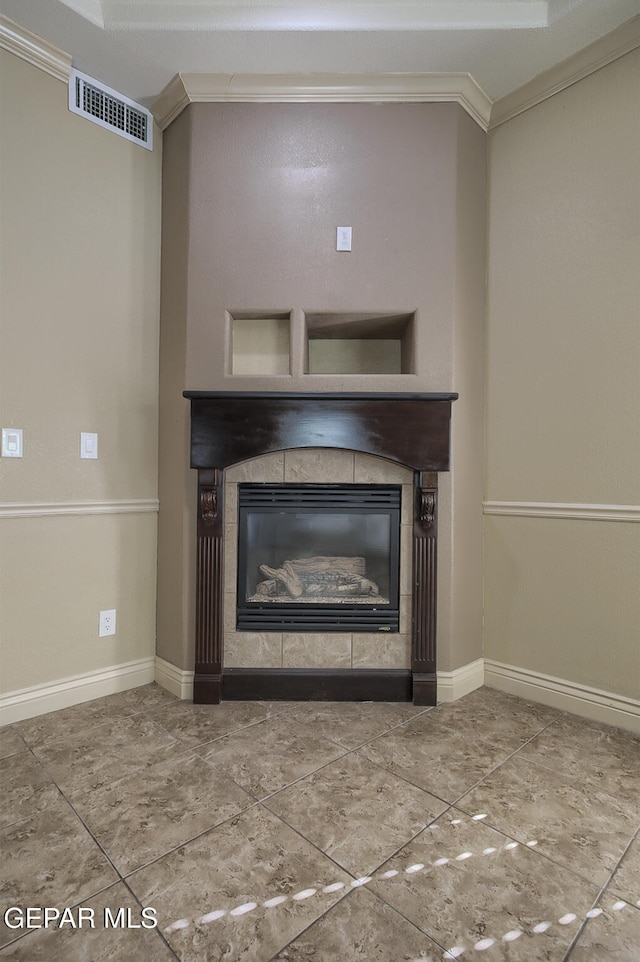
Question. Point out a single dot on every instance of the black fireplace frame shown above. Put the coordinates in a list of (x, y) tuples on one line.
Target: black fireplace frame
[(231, 427), (319, 499)]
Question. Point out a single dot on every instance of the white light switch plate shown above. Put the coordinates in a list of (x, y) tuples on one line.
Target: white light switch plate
[(12, 442), (88, 445), (343, 239)]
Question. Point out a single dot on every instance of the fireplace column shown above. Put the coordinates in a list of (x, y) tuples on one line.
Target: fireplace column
[(207, 682), (423, 648)]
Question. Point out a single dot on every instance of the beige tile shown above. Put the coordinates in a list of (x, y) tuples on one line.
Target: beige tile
[(49, 859), (96, 938), (268, 468), (380, 650), (59, 724), (406, 614), (229, 614), (626, 880), (528, 803), (350, 723), (407, 508), (231, 872), (611, 933), (361, 928), (146, 698), (330, 650), (142, 816), (372, 470), (606, 758), (268, 756), (230, 557), (319, 465), (26, 788), (406, 556), (196, 724), (440, 757), (11, 742), (95, 758), (462, 884), (249, 649), (355, 812)]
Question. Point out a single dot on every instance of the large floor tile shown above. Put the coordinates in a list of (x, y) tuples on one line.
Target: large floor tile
[(626, 879), (241, 892), (57, 725), (604, 757), (469, 887), (196, 724), (438, 756), (102, 942), (351, 724), (95, 758), (142, 816), (11, 742), (611, 934), (574, 824), (49, 860), (26, 788), (271, 755), (355, 812), (361, 928)]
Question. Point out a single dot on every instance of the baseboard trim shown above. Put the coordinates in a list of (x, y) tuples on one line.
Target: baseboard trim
[(175, 680), (454, 684), (39, 699), (591, 703)]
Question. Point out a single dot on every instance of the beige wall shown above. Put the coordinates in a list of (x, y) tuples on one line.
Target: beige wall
[(563, 382), (265, 186), (80, 307)]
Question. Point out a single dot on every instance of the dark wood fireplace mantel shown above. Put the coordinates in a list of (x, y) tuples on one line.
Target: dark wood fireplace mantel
[(229, 427)]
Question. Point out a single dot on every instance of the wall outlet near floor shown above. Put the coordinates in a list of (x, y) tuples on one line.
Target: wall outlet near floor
[(107, 623)]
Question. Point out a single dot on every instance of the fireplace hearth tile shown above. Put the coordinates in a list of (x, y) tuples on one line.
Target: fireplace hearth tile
[(355, 812), (253, 649), (332, 465), (369, 469), (316, 650), (381, 651), (267, 467)]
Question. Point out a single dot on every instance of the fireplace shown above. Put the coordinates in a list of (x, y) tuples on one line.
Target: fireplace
[(318, 557), (228, 428)]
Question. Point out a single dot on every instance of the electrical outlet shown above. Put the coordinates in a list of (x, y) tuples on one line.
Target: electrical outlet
[(107, 623)]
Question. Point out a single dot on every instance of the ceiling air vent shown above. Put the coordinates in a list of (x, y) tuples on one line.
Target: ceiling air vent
[(106, 107)]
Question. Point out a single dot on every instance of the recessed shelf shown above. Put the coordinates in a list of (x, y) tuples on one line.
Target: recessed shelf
[(260, 342), (358, 343)]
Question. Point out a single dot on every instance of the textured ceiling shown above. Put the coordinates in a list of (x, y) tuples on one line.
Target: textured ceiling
[(137, 46)]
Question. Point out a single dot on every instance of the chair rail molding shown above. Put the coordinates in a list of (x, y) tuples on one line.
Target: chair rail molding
[(552, 509)]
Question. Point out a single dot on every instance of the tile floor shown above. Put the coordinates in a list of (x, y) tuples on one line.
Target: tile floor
[(325, 832)]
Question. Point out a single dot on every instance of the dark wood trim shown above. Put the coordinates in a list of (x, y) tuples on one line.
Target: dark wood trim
[(412, 429), (425, 542), (316, 684)]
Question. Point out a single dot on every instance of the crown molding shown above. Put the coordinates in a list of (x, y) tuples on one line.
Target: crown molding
[(187, 88), (546, 509), (614, 45), (36, 51)]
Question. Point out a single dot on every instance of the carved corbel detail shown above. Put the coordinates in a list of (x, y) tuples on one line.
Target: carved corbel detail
[(209, 503), (427, 507)]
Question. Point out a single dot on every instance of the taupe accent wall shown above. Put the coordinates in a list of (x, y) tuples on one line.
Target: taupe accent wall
[(253, 194), (563, 385)]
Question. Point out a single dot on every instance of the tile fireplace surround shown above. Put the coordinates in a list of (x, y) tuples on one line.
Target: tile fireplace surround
[(234, 430)]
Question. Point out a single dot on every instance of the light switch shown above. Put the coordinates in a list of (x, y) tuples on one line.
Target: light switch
[(88, 445), (12, 442), (343, 239)]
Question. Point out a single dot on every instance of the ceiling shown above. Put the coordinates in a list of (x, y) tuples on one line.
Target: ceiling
[(138, 46)]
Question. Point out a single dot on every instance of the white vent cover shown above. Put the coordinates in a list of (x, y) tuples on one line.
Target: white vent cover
[(108, 108)]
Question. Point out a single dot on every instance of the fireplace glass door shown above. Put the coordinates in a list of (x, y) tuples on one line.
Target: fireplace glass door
[(318, 557)]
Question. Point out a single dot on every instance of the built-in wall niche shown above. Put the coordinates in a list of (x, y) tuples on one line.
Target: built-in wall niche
[(359, 343), (260, 342)]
